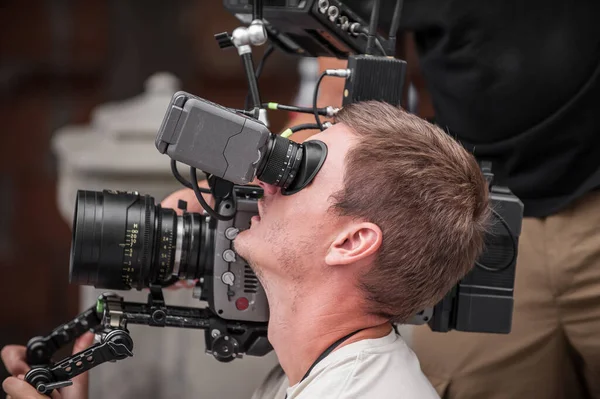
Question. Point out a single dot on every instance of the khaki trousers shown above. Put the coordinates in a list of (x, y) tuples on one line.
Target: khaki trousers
[(553, 350)]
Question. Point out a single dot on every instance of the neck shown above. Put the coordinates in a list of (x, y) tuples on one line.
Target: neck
[(302, 327)]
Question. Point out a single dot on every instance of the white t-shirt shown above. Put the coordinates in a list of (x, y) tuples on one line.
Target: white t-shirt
[(381, 368)]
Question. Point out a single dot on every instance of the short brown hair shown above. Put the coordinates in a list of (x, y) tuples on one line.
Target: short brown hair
[(428, 196)]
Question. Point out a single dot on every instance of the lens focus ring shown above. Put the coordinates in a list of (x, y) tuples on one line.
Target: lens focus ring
[(280, 162)]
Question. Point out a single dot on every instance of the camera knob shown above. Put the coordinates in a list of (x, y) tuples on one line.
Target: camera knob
[(225, 348), (228, 278), (231, 233), (333, 12), (229, 256)]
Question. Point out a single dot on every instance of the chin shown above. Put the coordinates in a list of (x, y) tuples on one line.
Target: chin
[(241, 244), (248, 245)]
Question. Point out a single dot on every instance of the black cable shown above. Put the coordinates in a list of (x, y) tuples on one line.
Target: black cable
[(292, 108), (394, 27), (182, 180), (315, 97), (263, 60), (304, 126), (178, 176), (514, 246), (259, 70), (373, 27), (200, 198)]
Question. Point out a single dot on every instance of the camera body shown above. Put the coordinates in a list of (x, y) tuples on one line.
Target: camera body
[(207, 136), (230, 286)]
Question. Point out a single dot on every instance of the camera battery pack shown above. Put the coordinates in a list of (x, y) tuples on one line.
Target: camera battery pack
[(375, 78)]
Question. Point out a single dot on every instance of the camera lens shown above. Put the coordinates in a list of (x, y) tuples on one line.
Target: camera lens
[(281, 163), (123, 240)]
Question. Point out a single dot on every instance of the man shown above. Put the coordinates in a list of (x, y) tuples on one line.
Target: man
[(387, 226), (518, 83), (394, 218)]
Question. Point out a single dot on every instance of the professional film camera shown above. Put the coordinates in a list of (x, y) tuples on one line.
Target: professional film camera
[(123, 240)]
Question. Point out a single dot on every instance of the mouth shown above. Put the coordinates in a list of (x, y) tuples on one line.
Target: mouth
[(256, 218)]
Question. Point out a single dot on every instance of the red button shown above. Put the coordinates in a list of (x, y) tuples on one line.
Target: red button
[(242, 303)]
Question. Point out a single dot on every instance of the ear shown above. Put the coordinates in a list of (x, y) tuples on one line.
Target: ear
[(355, 243)]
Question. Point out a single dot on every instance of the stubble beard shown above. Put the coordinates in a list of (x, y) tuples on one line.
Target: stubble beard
[(286, 261)]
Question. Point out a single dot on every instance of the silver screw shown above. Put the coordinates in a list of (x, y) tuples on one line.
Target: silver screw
[(215, 333), (323, 5), (333, 12), (344, 22)]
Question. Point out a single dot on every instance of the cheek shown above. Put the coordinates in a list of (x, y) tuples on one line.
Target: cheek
[(311, 228), (297, 216)]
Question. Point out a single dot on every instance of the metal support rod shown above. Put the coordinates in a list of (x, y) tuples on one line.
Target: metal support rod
[(252, 82), (257, 10)]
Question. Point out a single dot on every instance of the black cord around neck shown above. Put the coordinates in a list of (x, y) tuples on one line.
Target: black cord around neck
[(327, 351)]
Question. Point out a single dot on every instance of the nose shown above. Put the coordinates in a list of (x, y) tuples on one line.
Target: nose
[(269, 189)]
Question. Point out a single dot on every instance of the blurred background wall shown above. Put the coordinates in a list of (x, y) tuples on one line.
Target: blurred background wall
[(59, 59)]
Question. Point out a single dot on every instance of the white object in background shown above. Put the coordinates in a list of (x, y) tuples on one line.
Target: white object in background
[(308, 69), (116, 151)]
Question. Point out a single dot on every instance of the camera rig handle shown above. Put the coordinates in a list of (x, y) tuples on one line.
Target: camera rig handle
[(115, 345), (225, 340), (41, 349)]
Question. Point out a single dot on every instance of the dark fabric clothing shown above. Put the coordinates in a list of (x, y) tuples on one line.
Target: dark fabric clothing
[(518, 83)]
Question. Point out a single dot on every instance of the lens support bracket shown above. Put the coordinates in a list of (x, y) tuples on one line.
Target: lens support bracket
[(225, 340)]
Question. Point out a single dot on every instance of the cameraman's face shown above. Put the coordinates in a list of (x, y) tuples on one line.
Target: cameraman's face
[(292, 234)]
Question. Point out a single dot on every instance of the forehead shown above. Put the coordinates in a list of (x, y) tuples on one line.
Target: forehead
[(339, 140)]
